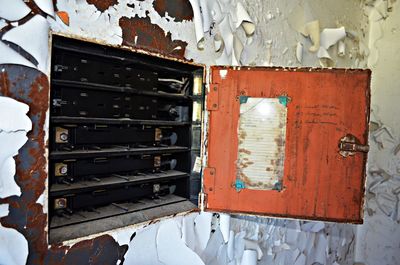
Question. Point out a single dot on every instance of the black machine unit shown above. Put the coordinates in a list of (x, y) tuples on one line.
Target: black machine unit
[(125, 131)]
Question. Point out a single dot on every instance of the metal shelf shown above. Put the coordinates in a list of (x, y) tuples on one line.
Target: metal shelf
[(114, 180), (127, 90), (114, 209), (117, 151), (81, 120)]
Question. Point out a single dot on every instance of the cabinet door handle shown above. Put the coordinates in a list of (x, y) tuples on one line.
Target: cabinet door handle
[(349, 145)]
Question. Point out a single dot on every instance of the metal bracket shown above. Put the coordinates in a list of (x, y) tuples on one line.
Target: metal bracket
[(212, 98), (238, 185), (349, 145)]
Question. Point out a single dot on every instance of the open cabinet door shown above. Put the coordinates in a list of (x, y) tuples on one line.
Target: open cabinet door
[(287, 142)]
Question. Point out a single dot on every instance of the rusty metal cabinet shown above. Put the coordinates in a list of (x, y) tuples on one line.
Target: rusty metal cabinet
[(307, 161), (126, 127)]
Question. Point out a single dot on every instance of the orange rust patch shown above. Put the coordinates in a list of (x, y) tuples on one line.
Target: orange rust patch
[(178, 9), (141, 33)]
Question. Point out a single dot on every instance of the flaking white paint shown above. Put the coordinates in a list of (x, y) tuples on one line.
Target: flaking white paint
[(273, 43), (378, 239), (13, 10), (13, 247), (32, 36), (14, 125)]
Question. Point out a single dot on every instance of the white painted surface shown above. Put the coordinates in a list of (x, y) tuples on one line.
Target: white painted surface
[(9, 56), (13, 10), (143, 247), (46, 6), (378, 240), (14, 124), (32, 36), (13, 247), (171, 249)]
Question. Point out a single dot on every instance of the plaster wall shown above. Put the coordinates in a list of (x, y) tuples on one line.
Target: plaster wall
[(378, 239), (277, 34)]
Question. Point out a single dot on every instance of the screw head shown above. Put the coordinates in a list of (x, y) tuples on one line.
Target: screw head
[(63, 170), (64, 137)]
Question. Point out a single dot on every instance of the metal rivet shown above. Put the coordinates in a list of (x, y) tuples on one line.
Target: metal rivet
[(63, 170), (64, 137)]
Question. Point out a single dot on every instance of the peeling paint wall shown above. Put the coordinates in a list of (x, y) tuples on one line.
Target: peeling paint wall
[(167, 27), (378, 240)]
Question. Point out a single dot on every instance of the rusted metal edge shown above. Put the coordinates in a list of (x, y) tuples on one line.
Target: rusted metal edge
[(286, 217), (364, 173), (290, 69), (128, 48)]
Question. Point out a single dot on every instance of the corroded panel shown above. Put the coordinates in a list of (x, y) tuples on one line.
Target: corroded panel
[(141, 33), (178, 9), (102, 5), (323, 105)]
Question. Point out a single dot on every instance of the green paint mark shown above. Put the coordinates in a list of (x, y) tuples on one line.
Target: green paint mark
[(239, 185), (278, 186), (284, 100), (243, 99)]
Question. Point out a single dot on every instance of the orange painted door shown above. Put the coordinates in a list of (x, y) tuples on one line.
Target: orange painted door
[(287, 142)]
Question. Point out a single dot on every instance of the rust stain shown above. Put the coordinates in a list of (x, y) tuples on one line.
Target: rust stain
[(4, 85), (101, 250), (243, 150), (102, 5), (141, 33), (314, 177), (140, 50), (178, 9), (26, 216)]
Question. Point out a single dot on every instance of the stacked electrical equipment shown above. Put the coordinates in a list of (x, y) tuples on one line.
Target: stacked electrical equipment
[(125, 131)]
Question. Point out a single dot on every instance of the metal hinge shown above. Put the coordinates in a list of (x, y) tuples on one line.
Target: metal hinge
[(212, 97), (238, 185), (202, 201), (349, 145)]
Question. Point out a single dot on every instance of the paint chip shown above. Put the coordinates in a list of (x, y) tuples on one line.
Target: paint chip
[(9, 56), (14, 247), (46, 6), (14, 124), (32, 36), (13, 10), (64, 17), (4, 210), (171, 249), (223, 73)]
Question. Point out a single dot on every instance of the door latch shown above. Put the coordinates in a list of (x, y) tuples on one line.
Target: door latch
[(349, 145)]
